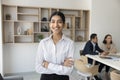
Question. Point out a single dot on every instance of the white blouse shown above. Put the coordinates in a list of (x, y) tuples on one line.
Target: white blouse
[(55, 55)]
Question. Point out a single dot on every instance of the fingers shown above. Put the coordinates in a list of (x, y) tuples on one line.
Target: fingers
[(45, 64), (68, 62), (104, 53)]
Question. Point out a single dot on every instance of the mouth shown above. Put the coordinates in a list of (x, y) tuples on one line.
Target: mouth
[(55, 29)]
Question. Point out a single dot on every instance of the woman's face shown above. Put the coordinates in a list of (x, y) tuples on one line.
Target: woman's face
[(108, 39), (56, 24)]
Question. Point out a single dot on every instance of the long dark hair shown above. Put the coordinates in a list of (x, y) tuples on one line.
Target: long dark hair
[(59, 14), (104, 41)]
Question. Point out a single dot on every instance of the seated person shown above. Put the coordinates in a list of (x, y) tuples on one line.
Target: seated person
[(1, 77), (109, 47), (92, 48)]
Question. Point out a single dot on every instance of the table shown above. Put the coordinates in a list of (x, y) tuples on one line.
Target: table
[(114, 63)]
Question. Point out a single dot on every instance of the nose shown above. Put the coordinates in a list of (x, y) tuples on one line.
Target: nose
[(56, 24)]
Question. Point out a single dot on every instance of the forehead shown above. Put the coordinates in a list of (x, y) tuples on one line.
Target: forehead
[(109, 37), (95, 37), (56, 17)]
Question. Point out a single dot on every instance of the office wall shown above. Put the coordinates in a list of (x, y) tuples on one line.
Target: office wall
[(21, 57), (105, 18), (72, 4)]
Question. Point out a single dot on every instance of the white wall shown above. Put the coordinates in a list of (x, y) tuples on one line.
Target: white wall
[(1, 58), (21, 57), (72, 4), (106, 19)]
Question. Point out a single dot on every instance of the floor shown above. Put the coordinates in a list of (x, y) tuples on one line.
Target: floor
[(35, 76)]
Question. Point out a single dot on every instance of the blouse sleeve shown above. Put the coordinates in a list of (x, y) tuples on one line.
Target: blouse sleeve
[(60, 69), (39, 59)]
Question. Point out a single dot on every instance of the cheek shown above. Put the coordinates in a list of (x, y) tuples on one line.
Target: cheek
[(110, 40), (50, 25), (61, 25)]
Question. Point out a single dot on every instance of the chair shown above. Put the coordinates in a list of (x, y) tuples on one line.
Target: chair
[(83, 69), (115, 75)]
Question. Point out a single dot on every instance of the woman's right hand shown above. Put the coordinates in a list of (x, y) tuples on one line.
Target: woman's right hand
[(68, 62)]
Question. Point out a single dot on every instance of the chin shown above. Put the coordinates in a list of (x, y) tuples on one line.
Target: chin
[(56, 32)]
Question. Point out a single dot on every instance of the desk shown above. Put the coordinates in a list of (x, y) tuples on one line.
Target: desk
[(110, 62)]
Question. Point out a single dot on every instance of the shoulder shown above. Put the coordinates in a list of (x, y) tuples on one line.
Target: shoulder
[(88, 42), (103, 45), (113, 45), (67, 40), (44, 40)]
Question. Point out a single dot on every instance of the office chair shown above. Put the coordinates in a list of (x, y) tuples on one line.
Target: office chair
[(115, 75), (84, 69)]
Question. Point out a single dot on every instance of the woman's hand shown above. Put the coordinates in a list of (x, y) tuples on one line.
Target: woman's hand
[(45, 64), (104, 53), (68, 62)]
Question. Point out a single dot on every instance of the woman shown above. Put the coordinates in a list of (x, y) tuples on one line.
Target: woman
[(108, 45), (110, 48), (55, 53)]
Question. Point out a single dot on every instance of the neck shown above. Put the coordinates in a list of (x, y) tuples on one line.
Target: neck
[(107, 43), (56, 37)]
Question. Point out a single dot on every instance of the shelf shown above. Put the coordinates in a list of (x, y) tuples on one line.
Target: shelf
[(78, 16), (27, 14), (68, 15), (40, 32), (23, 35), (44, 21), (8, 20), (80, 29), (23, 21), (35, 21), (67, 29)]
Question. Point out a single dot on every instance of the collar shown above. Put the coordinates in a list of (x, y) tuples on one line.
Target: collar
[(93, 43), (63, 37)]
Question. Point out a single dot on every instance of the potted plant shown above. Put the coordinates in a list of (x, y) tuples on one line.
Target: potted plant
[(40, 36)]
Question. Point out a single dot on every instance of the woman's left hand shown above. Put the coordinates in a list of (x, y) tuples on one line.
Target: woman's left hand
[(45, 64), (68, 62)]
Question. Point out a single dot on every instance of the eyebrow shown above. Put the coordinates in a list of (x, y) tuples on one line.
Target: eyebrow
[(55, 20)]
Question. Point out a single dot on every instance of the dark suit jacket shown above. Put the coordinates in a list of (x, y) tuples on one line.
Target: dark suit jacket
[(1, 77), (88, 49)]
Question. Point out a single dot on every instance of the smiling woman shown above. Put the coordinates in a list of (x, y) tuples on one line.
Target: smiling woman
[(55, 61), (57, 22)]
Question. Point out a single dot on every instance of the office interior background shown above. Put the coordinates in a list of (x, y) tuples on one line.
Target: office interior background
[(104, 19)]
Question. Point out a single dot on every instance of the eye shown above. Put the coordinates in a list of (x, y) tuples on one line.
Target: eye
[(52, 21), (60, 21)]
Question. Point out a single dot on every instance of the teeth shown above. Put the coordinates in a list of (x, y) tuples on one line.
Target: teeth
[(56, 28)]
